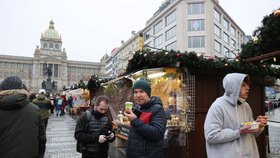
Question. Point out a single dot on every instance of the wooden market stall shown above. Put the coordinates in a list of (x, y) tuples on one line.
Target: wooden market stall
[(192, 93), (201, 82)]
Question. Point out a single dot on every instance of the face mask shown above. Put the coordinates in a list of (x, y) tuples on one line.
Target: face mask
[(98, 114)]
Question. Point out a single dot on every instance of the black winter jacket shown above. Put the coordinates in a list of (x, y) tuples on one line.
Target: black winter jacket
[(22, 130), (146, 134), (88, 134)]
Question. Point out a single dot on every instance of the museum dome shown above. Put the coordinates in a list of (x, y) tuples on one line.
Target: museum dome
[(51, 32)]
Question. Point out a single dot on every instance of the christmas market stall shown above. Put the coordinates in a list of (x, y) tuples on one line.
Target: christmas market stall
[(169, 85), (80, 100), (192, 82)]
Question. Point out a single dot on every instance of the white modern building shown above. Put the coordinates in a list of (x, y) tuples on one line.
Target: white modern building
[(202, 26)]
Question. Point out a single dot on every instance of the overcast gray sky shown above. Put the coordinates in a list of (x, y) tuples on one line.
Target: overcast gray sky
[(91, 28)]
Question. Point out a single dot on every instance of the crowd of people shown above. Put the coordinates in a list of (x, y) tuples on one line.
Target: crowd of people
[(24, 119)]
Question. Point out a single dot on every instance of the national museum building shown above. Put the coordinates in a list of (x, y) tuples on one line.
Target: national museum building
[(49, 55)]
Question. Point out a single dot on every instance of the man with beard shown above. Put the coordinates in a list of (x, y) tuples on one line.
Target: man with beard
[(94, 133)]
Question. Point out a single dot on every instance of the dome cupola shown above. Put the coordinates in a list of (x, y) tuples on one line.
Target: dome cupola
[(51, 33)]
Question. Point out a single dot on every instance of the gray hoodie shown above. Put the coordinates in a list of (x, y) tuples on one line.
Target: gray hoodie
[(223, 121)]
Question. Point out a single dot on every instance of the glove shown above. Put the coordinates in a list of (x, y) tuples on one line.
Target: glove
[(102, 139)]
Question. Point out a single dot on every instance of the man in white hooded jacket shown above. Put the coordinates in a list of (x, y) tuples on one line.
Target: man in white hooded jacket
[(224, 134)]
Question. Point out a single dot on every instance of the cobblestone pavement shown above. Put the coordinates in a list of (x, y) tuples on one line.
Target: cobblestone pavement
[(61, 142), (60, 138), (274, 133)]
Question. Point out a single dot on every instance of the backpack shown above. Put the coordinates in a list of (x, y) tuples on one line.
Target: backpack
[(59, 102), (79, 144)]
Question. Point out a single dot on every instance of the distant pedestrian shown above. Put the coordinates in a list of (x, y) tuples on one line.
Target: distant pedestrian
[(70, 103), (22, 130), (58, 105), (44, 104)]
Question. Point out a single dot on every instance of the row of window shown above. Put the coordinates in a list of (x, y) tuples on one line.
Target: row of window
[(81, 70), (13, 65), (226, 25), (226, 37), (51, 46), (195, 25), (21, 74), (226, 52)]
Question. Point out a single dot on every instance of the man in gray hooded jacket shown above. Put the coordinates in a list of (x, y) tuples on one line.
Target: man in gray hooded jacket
[(224, 134)]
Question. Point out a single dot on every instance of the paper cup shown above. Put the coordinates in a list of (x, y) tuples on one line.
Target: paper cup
[(128, 106)]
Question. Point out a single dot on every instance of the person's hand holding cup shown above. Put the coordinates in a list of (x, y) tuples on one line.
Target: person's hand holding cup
[(128, 106)]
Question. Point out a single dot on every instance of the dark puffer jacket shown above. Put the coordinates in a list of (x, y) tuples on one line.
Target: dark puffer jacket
[(146, 134), (22, 131), (88, 134)]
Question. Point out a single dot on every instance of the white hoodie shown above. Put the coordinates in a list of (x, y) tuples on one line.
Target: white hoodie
[(223, 121)]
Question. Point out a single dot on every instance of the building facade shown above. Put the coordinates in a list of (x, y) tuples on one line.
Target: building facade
[(33, 70), (197, 26)]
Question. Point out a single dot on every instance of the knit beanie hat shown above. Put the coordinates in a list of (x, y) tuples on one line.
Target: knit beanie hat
[(12, 82), (144, 85)]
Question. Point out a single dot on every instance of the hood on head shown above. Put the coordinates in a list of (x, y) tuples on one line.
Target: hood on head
[(232, 84), (13, 99)]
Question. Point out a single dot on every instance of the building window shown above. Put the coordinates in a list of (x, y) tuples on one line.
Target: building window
[(45, 45), (171, 46), (7, 65), (51, 45), (170, 18), (217, 15), (19, 65), (158, 27), (217, 47), (171, 33), (147, 34), (233, 43), (226, 52), (25, 66), (78, 70), (1, 64), (158, 41), (56, 47), (13, 65), (196, 25), (55, 73), (217, 31), (225, 23), (84, 70), (232, 30), (226, 38), (196, 8), (6, 74), (196, 41)]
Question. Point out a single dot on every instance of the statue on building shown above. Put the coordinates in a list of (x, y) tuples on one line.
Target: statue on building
[(44, 84), (49, 72)]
